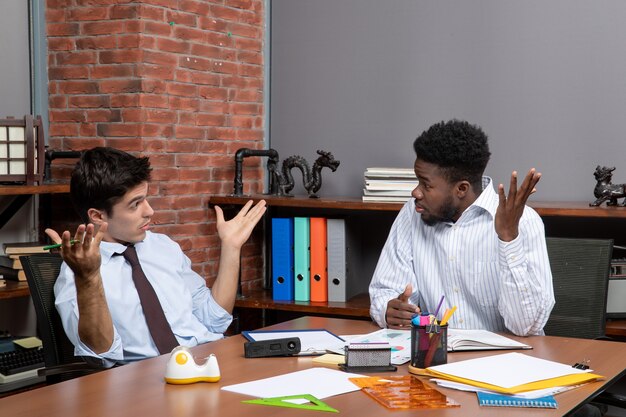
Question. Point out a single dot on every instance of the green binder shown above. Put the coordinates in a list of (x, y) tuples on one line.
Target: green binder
[(302, 290)]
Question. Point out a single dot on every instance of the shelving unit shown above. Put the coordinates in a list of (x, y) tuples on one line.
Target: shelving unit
[(560, 218), (22, 193)]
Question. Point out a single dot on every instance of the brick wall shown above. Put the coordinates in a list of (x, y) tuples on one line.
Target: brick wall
[(180, 81)]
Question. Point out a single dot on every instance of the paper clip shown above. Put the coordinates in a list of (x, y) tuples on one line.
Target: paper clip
[(432, 327), (582, 364)]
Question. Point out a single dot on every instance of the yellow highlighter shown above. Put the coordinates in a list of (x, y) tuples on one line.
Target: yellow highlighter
[(447, 315)]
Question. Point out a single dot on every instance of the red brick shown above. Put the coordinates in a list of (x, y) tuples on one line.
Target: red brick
[(182, 203), (192, 216), (129, 41), (183, 103), (246, 134), (112, 71), (250, 57), (189, 34), (178, 89), (62, 29), (66, 116), (78, 144), (124, 12), (222, 133), (157, 131), (120, 86), (125, 144), (214, 147), (87, 13), (172, 45), (63, 129), (68, 73), (164, 217), (153, 100), (160, 116), (157, 28), (192, 6), (225, 13), (104, 115), (245, 108), (76, 58), (163, 160), (214, 107), (130, 100), (132, 115), (180, 146), (189, 132), (219, 39), (153, 145), (245, 31), (206, 51), (151, 13), (120, 56), (208, 22), (178, 18), (154, 86), (160, 58), (87, 129), (248, 44), (118, 129), (205, 78), (96, 42), (196, 63), (57, 102), (156, 71), (60, 44), (89, 101), (102, 28), (210, 120), (78, 87)]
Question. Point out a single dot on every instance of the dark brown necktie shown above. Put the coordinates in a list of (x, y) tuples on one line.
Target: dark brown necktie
[(159, 328)]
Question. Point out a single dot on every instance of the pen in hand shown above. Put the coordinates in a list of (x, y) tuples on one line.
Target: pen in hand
[(58, 245)]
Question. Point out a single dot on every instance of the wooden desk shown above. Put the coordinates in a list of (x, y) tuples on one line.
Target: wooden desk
[(138, 389)]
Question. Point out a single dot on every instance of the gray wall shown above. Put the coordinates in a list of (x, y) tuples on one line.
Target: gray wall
[(546, 79)]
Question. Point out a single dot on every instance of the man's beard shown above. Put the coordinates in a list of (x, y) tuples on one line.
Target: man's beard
[(447, 213)]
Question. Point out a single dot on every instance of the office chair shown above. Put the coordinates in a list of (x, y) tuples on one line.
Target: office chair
[(41, 272), (580, 276)]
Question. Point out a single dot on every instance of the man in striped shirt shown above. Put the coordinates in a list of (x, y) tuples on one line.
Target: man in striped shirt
[(484, 250)]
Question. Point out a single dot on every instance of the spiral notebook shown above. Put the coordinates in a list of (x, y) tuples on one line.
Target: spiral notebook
[(500, 400)]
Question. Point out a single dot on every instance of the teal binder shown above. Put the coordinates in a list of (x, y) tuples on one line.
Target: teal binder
[(301, 254)]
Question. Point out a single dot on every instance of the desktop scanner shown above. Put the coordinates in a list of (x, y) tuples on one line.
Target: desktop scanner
[(183, 369)]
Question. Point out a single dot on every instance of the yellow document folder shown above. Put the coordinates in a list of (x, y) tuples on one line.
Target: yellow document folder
[(512, 373)]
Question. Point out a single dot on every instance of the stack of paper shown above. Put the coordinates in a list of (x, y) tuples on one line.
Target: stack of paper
[(512, 373), (390, 185)]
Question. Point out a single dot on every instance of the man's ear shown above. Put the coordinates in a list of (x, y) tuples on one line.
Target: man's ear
[(97, 217), (463, 188)]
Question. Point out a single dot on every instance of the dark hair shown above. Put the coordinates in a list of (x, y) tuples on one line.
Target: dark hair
[(103, 176), (458, 148)]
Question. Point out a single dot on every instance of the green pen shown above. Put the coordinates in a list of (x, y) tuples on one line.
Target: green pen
[(58, 245)]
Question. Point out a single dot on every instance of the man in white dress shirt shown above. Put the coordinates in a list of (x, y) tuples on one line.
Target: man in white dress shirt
[(484, 250), (96, 294)]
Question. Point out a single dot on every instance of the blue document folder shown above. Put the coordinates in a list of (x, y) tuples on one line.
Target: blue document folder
[(301, 259), (282, 259)]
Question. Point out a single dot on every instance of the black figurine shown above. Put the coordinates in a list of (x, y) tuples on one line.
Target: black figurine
[(604, 190), (312, 178)]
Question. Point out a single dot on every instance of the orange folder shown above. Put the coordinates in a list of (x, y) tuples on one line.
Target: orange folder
[(319, 265)]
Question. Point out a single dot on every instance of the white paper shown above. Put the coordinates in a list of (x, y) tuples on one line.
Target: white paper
[(311, 341), (318, 382), (507, 370)]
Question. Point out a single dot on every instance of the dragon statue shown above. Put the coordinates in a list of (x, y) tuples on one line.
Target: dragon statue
[(312, 178)]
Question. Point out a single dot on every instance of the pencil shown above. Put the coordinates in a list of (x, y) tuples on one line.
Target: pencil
[(58, 245)]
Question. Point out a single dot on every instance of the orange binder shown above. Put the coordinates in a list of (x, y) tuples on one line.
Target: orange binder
[(319, 272)]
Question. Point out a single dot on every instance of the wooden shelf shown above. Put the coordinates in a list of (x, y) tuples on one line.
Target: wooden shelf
[(14, 289), (543, 208), (358, 306), (336, 203), (34, 189)]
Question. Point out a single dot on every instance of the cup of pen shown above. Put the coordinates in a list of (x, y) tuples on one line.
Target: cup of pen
[(429, 345)]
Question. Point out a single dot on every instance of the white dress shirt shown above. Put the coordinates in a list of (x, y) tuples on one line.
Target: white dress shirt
[(496, 285), (193, 314)]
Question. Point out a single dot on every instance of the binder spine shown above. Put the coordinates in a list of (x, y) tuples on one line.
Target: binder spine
[(282, 259), (319, 274), (302, 285)]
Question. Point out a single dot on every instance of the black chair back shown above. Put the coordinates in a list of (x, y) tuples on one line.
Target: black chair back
[(580, 273)]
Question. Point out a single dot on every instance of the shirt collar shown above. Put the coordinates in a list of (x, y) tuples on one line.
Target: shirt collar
[(109, 249), (488, 198)]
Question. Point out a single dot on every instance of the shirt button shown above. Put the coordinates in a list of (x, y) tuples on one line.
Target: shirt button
[(456, 289), (460, 320), (452, 259)]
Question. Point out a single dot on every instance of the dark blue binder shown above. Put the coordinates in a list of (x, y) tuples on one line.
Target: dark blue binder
[(282, 259)]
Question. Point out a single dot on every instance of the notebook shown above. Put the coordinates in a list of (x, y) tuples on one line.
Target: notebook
[(500, 400), (464, 339)]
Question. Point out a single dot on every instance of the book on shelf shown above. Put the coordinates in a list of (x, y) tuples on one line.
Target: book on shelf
[(24, 248), (390, 185), (502, 400), (465, 339), (12, 274), (389, 172), (385, 199), (387, 193)]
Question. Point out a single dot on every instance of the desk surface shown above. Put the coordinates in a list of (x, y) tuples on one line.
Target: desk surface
[(138, 389)]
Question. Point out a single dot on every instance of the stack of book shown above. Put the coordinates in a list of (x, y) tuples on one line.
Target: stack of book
[(391, 185), (10, 265)]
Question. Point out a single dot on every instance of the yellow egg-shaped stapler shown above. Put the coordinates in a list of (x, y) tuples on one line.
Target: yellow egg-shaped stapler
[(183, 369)]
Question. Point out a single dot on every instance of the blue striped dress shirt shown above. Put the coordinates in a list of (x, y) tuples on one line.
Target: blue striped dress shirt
[(496, 285)]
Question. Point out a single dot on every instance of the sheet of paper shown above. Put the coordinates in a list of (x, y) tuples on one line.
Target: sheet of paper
[(319, 382), (311, 341), (507, 370), (483, 336), (528, 394)]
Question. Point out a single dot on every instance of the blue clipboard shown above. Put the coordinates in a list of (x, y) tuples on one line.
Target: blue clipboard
[(312, 341)]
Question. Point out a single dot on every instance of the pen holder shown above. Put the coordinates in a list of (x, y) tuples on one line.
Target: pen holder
[(429, 345)]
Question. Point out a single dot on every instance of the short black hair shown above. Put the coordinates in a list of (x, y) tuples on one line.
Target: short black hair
[(103, 176), (458, 148)]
